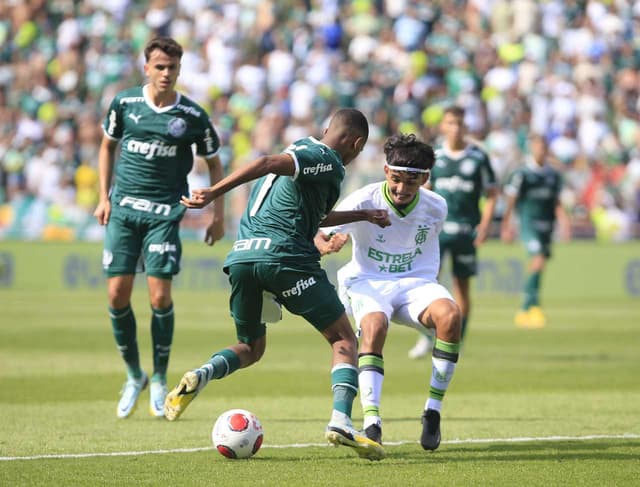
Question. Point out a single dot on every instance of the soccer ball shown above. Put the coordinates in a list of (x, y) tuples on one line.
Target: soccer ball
[(237, 433)]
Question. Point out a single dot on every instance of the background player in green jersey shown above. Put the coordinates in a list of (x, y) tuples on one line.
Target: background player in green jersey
[(156, 128), (534, 191), (275, 252), (462, 175)]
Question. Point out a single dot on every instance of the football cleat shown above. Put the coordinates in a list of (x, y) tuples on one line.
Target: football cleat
[(130, 394), (344, 435), (536, 317), (522, 318), (430, 438), (374, 433), (157, 395), (422, 348), (181, 395)]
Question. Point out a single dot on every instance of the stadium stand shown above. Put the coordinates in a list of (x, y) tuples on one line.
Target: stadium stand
[(269, 71)]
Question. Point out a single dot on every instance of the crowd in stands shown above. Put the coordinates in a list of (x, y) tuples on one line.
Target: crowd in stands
[(271, 71)]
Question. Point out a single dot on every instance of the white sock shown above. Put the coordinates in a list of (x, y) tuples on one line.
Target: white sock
[(340, 419)]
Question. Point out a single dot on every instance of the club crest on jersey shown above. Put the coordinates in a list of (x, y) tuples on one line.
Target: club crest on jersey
[(177, 127), (467, 167), (421, 235)]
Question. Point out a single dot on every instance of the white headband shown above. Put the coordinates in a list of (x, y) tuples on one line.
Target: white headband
[(407, 169)]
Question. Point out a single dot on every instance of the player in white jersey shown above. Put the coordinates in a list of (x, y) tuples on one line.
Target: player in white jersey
[(392, 277)]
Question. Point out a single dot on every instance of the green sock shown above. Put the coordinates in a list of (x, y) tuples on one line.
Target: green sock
[(123, 322), (531, 290), (162, 321), (220, 365), (344, 384), (464, 327)]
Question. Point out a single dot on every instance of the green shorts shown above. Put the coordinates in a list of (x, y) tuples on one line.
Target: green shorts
[(463, 253), (136, 244), (304, 290), (536, 243)]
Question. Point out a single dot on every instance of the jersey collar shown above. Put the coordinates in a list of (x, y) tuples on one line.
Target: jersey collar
[(454, 156), (401, 212), (316, 141), (534, 166), (150, 104)]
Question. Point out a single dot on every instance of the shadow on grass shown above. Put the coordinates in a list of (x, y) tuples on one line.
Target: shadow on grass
[(536, 451), (447, 454)]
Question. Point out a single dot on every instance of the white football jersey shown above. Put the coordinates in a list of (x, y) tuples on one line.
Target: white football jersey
[(407, 248)]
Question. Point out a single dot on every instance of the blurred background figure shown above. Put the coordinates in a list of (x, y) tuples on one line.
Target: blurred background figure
[(533, 192), (268, 71)]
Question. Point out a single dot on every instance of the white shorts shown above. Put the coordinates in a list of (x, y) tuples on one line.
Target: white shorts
[(401, 300)]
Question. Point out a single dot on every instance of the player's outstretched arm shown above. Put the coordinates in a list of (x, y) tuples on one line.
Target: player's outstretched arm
[(279, 164), (377, 217)]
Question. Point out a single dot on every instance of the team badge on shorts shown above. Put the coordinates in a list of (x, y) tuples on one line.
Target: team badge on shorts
[(177, 127)]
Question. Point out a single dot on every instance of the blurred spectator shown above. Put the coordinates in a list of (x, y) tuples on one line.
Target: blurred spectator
[(267, 71)]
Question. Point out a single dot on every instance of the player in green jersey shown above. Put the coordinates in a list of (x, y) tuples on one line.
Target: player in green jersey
[(462, 175), (275, 253), (534, 191), (156, 128)]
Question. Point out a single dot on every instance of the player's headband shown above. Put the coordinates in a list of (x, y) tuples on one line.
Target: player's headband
[(407, 169)]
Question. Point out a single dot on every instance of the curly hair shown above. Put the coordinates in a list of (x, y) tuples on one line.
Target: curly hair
[(406, 150)]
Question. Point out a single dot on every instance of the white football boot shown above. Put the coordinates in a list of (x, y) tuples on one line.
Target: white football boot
[(130, 394), (157, 395), (422, 348)]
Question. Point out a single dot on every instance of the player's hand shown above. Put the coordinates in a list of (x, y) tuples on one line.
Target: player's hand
[(482, 232), (214, 232), (329, 244), (507, 234), (103, 212), (337, 241), (379, 217), (199, 198)]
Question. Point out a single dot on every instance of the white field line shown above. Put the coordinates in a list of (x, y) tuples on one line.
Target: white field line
[(525, 439)]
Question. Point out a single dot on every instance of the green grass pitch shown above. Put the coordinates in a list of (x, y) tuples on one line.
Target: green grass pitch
[(557, 406)]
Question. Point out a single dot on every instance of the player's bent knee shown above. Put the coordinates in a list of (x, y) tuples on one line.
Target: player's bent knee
[(446, 316), (250, 353)]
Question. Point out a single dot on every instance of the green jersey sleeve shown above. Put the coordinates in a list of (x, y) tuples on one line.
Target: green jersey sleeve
[(113, 123)]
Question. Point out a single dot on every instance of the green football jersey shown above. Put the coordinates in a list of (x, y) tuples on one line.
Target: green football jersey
[(156, 151), (537, 189), (284, 212), (462, 181)]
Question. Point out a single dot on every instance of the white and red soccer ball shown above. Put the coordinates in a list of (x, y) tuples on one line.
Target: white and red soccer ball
[(237, 433)]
